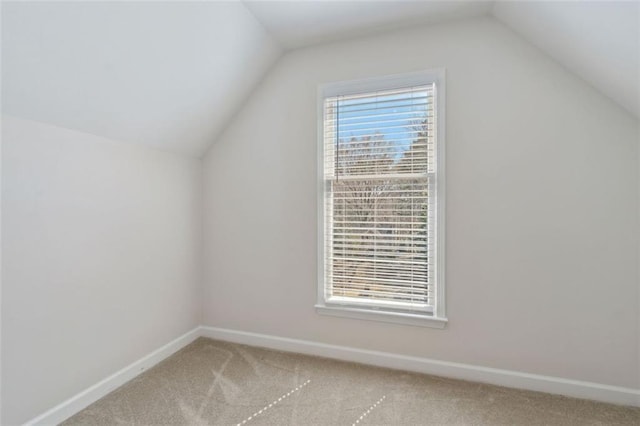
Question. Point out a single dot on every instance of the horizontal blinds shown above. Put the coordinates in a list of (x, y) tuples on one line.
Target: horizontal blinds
[(379, 159)]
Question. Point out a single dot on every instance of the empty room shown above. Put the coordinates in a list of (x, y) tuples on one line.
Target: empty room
[(320, 213)]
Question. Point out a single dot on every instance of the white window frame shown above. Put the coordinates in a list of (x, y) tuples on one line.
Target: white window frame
[(437, 318)]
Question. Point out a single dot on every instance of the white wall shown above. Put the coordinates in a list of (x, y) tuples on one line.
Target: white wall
[(101, 252), (542, 209)]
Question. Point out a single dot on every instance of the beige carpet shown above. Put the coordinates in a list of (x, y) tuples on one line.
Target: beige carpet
[(217, 383)]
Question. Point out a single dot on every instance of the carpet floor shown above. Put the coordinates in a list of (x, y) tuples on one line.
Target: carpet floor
[(211, 382)]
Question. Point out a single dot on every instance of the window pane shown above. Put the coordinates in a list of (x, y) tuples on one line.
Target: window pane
[(379, 240), (379, 157)]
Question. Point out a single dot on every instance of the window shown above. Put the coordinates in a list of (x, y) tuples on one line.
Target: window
[(381, 192)]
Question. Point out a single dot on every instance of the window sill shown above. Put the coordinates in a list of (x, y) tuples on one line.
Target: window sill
[(384, 316)]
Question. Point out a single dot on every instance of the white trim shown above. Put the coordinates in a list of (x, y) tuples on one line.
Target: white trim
[(321, 190), (324, 306), (406, 318), (495, 376), (75, 404), (352, 87), (440, 238)]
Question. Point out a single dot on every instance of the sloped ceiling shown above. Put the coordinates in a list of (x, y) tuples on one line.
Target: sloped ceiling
[(599, 41), (302, 23), (172, 74), (165, 74)]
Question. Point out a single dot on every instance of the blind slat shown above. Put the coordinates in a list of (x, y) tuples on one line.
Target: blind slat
[(379, 155)]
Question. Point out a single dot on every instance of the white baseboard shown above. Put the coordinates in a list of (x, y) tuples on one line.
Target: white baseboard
[(495, 376), (512, 379), (73, 405)]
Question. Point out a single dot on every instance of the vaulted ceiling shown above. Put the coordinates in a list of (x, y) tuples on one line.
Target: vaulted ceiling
[(302, 23), (598, 41), (165, 74), (172, 74)]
